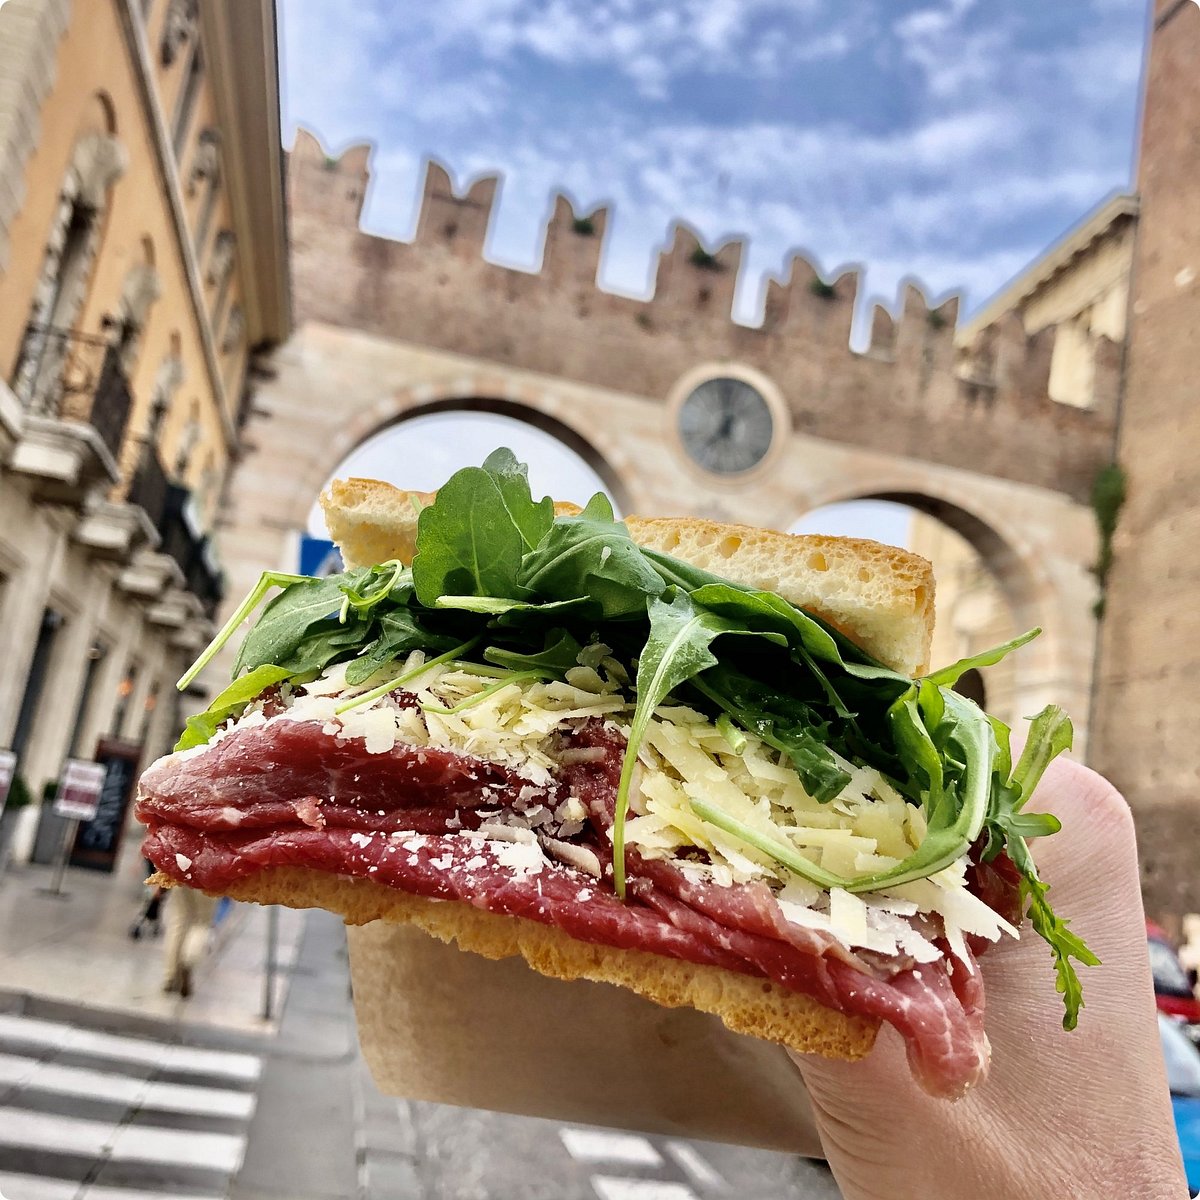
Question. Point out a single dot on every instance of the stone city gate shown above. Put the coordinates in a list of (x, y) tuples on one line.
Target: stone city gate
[(646, 391), (1038, 556)]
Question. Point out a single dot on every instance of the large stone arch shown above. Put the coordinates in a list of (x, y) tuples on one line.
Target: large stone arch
[(539, 407), (330, 388), (1047, 670)]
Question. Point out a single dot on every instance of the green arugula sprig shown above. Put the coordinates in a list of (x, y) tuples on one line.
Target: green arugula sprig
[(501, 587)]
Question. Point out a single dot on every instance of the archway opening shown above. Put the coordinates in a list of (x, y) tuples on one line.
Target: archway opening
[(978, 604), (422, 451)]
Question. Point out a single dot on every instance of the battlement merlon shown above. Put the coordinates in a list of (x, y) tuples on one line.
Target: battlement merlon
[(439, 289)]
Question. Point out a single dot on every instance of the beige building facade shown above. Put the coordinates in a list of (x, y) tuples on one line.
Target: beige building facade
[(142, 267)]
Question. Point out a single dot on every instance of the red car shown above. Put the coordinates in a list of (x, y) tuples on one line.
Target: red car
[(1173, 990)]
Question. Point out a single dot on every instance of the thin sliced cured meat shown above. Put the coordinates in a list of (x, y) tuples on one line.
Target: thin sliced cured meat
[(292, 793)]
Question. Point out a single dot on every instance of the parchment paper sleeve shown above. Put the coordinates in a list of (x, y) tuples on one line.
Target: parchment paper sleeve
[(439, 1024)]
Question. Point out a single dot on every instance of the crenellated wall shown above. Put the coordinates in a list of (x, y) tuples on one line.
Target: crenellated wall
[(986, 408)]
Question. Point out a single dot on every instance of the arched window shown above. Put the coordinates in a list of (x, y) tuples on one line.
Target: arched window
[(98, 161)]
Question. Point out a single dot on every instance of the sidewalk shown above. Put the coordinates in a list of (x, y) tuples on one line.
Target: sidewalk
[(77, 949)]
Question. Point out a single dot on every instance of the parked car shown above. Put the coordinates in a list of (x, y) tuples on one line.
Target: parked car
[(1173, 992), (1183, 1078)]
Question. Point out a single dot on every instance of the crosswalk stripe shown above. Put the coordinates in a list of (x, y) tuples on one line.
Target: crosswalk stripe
[(42, 1076), (180, 1148), (144, 1114), (603, 1145), (34, 1187), (119, 1048), (609, 1188), (696, 1165), (48, 1131)]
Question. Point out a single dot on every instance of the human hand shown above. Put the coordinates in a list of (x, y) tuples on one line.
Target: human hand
[(1084, 1114)]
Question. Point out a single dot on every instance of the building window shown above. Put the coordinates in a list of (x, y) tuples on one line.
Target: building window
[(148, 712), (125, 690), (206, 174), (35, 681), (188, 95), (97, 162), (96, 656)]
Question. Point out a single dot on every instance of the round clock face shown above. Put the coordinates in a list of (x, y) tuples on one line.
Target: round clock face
[(726, 426)]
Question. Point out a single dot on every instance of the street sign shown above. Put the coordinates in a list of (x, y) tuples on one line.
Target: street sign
[(8, 767), (79, 790), (98, 839), (318, 556)]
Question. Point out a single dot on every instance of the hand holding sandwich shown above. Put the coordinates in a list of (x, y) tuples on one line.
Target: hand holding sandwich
[(1085, 1115)]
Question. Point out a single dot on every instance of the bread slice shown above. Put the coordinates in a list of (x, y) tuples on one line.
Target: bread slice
[(879, 596), (745, 1004)]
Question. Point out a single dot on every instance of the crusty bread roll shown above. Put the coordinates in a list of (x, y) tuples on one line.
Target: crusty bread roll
[(880, 596)]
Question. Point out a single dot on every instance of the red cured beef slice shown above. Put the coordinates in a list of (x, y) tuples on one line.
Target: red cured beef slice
[(293, 760), (188, 803)]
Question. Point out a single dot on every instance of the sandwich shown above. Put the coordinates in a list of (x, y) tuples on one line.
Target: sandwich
[(704, 762)]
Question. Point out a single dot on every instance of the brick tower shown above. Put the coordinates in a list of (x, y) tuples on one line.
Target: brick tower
[(1145, 734)]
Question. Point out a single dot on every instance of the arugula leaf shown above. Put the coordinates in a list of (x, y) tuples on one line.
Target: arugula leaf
[(387, 581), (323, 645), (467, 541), (677, 650), (286, 620), (400, 632), (588, 556), (761, 610), (785, 723), (229, 703), (511, 477), (949, 676), (599, 508), (1064, 944), (495, 606), (555, 658), (958, 779), (1050, 734), (266, 581)]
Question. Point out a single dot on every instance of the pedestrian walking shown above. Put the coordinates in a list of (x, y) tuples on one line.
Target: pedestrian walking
[(189, 922)]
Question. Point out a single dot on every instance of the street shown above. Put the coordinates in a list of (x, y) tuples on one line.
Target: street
[(111, 1091)]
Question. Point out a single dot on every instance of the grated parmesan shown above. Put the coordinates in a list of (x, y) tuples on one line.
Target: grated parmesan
[(868, 828)]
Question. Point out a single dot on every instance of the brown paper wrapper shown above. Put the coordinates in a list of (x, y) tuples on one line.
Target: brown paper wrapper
[(438, 1024)]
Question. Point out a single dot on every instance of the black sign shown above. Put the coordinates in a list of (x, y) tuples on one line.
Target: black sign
[(98, 841)]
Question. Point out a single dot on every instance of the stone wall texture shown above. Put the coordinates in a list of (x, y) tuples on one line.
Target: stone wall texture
[(1148, 701), (905, 395)]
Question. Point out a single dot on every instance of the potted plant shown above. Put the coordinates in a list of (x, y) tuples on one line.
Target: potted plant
[(18, 798)]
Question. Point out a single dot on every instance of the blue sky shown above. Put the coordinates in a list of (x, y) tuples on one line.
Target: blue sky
[(946, 139)]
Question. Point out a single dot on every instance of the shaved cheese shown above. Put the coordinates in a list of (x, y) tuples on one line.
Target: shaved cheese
[(867, 829)]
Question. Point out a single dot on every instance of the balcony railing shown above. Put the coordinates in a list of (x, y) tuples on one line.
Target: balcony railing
[(75, 376), (149, 488), (111, 402)]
